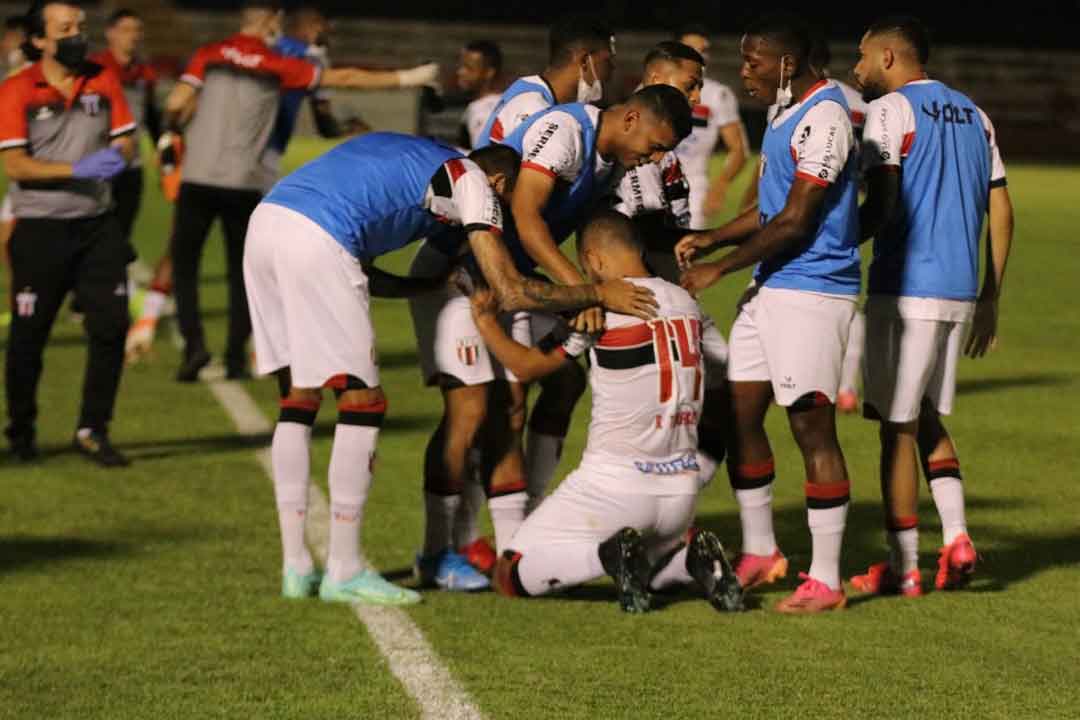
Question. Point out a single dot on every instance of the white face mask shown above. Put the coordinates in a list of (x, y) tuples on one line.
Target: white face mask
[(783, 93), (587, 93), (14, 58)]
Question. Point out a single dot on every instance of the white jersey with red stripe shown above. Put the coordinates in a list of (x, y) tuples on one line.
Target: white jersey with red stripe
[(654, 187), (856, 105), (647, 381), (517, 110), (476, 115), (718, 108)]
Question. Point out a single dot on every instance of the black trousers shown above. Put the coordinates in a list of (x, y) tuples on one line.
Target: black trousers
[(127, 190), (196, 209), (49, 259)]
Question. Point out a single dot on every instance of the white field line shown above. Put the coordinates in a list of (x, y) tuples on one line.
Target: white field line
[(411, 658)]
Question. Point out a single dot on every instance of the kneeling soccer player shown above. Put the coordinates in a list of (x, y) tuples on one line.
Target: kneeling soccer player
[(627, 508)]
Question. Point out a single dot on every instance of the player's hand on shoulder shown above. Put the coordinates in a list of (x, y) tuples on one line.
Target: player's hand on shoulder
[(627, 298), (699, 277)]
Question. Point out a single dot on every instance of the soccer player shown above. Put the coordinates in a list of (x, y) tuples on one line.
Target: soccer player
[(628, 506), (478, 75), (124, 35), (933, 173), (581, 58), (228, 99), (13, 59), (311, 242), (716, 117), (65, 131), (788, 339)]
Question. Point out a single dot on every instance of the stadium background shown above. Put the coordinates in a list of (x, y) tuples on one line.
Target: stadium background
[(153, 592)]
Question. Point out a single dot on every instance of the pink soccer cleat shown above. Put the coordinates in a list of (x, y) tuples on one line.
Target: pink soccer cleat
[(956, 564), (813, 596), (881, 580), (754, 570), (847, 401)]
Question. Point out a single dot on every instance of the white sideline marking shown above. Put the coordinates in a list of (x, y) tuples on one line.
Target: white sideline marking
[(410, 656)]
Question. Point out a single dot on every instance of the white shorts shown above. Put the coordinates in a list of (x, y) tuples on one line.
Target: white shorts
[(309, 301), (907, 360), (446, 336), (793, 339), (583, 509), (7, 209)]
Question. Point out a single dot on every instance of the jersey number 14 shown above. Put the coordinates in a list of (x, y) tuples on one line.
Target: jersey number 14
[(677, 340)]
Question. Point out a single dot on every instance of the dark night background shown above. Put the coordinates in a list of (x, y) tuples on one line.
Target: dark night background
[(1019, 24)]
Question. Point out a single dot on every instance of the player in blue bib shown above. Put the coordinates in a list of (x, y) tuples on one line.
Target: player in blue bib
[(787, 343), (933, 174)]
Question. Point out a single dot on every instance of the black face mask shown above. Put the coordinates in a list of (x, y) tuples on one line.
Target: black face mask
[(71, 51)]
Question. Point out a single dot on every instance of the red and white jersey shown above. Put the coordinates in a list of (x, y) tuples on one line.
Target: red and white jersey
[(476, 115), (519, 109), (460, 194), (654, 187), (647, 381), (890, 132), (856, 105), (555, 145), (718, 108)]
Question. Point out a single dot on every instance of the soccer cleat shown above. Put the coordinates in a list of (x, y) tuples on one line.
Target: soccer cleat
[(449, 571), (24, 448), (847, 401), (367, 587), (194, 361), (881, 580), (956, 564), (709, 566), (481, 555), (755, 570), (296, 586), (623, 558), (813, 596), (96, 446)]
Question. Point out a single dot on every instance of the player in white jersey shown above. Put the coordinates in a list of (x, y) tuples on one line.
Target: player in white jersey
[(627, 508), (478, 73), (716, 119)]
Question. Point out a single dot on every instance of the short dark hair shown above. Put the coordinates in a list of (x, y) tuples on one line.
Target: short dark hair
[(691, 29), (668, 105), (489, 51), (572, 33), (121, 14), (671, 51), (35, 16), (496, 158), (786, 30), (909, 29), (610, 227), (271, 5)]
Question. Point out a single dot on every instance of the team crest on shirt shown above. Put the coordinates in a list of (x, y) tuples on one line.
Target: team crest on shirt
[(91, 103), (25, 302), (468, 351)]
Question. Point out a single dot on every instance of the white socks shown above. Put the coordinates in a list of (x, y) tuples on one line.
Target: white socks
[(903, 550), (291, 465), (948, 495), (350, 479), (826, 514), (507, 514), (153, 304), (755, 512)]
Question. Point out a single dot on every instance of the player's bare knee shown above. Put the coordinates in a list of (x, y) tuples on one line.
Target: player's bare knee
[(365, 407)]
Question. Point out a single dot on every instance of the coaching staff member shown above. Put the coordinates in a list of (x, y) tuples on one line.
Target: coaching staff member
[(65, 131)]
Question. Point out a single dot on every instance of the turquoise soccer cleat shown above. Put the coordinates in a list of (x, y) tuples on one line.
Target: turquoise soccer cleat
[(368, 587), (297, 587)]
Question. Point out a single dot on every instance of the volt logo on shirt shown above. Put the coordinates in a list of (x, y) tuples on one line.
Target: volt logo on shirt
[(949, 113)]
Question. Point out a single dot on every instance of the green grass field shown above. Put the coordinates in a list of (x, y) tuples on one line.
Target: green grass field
[(152, 591)]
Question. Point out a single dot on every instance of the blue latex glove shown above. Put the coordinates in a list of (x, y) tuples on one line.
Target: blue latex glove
[(101, 165)]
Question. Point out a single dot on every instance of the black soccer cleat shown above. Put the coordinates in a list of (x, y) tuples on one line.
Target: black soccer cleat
[(96, 446), (710, 568), (623, 558), (23, 447), (194, 361)]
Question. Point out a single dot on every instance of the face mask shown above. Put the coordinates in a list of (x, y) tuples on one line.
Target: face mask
[(14, 58), (71, 51), (587, 93)]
